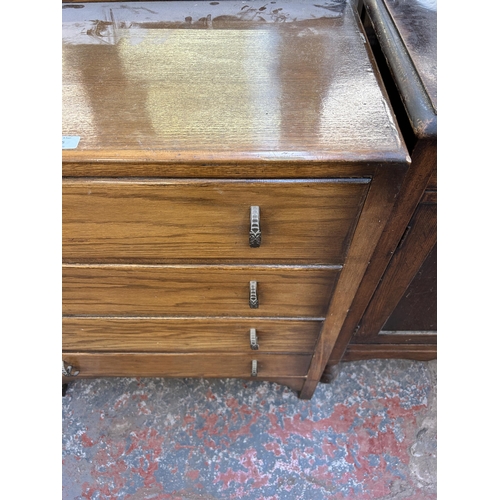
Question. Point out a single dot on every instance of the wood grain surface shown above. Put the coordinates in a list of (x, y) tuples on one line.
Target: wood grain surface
[(196, 290), (378, 206), (417, 309), (187, 365), (416, 85), (405, 263), (169, 221), (418, 352), (288, 169), (433, 179), (424, 164), (188, 114), (416, 23), (187, 335), (188, 81)]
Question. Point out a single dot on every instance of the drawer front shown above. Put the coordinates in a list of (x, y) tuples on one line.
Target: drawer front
[(110, 290), (187, 365), (177, 221), (188, 335)]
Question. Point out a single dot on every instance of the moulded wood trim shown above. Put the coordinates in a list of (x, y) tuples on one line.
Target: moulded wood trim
[(235, 170), (417, 102), (404, 265), (429, 197), (378, 205), (358, 352), (424, 159)]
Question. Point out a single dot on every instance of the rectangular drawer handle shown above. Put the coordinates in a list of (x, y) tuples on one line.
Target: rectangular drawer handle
[(254, 299), (253, 339), (254, 367), (255, 235)]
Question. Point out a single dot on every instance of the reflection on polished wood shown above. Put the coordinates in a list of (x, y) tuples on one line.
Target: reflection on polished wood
[(164, 90), (416, 22)]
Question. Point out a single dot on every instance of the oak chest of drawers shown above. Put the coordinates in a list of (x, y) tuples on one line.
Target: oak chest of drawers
[(229, 170)]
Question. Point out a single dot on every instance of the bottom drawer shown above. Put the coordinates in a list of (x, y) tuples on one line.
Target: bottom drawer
[(188, 365)]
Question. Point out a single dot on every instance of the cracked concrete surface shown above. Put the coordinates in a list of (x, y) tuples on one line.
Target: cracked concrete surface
[(369, 435), (423, 452)]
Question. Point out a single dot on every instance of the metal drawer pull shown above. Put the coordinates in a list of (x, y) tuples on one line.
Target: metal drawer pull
[(254, 367), (253, 339), (254, 299), (255, 235), (67, 370)]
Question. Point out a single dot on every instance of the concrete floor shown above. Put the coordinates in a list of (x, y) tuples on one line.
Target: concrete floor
[(369, 435)]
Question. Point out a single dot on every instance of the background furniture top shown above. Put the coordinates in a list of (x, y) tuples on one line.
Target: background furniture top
[(407, 33), (417, 25)]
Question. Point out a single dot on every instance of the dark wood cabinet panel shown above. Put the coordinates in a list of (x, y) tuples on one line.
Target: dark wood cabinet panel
[(417, 309), (357, 352), (394, 311), (415, 246)]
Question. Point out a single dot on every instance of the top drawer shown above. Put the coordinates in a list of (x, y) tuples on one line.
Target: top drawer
[(158, 221)]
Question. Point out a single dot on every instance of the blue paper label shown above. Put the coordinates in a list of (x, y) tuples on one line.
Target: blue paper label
[(70, 141)]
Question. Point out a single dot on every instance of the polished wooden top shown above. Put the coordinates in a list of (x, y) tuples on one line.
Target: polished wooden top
[(416, 21), (406, 31), (228, 81)]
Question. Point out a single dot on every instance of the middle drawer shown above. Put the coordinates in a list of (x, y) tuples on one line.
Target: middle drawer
[(155, 290)]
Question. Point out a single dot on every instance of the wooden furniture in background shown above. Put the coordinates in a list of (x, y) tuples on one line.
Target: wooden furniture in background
[(394, 313), (235, 169)]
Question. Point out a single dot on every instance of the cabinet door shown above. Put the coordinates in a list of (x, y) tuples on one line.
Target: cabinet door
[(416, 312), (403, 307)]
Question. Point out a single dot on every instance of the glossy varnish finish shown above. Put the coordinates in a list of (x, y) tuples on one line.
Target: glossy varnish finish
[(188, 114), (251, 84), (416, 22)]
